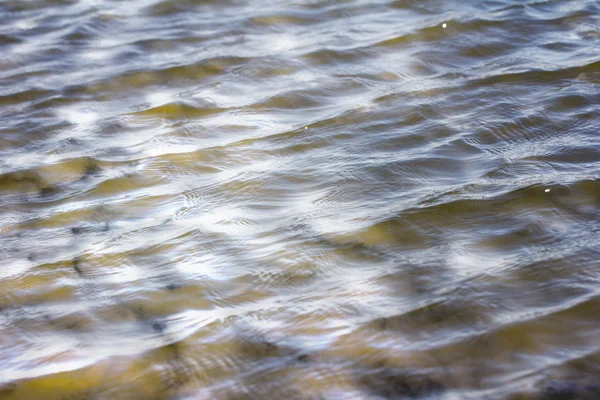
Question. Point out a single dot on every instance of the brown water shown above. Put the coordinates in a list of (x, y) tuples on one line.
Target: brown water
[(299, 199)]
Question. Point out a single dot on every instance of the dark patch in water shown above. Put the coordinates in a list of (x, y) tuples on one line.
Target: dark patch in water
[(570, 391), (159, 326), (48, 191), (173, 286), (259, 348), (76, 230), (396, 383), (7, 388), (91, 169), (303, 358), (76, 265), (269, 345)]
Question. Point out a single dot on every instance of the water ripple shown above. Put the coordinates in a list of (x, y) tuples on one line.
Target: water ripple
[(301, 200)]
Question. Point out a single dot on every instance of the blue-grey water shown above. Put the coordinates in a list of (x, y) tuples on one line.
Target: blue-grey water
[(300, 199)]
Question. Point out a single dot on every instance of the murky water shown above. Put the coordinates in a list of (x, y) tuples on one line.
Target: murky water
[(299, 199)]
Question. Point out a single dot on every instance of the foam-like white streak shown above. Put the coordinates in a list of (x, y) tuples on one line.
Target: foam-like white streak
[(242, 96), (25, 24), (180, 327), (82, 117), (265, 166), (224, 220), (466, 261), (107, 42), (282, 42), (158, 99), (126, 8), (13, 375), (17, 267), (124, 274), (27, 48), (96, 55), (157, 151), (306, 79), (90, 3), (208, 265), (266, 122)]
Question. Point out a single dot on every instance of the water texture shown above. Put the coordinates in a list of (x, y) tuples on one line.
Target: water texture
[(299, 199)]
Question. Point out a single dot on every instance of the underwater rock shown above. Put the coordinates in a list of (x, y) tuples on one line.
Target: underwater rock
[(159, 326), (556, 390), (91, 169), (76, 230), (173, 286), (48, 191), (396, 383), (76, 263), (303, 358)]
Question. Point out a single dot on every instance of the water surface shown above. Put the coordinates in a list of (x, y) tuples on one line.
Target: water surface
[(299, 199)]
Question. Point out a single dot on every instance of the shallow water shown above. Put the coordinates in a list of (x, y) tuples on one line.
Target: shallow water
[(300, 199)]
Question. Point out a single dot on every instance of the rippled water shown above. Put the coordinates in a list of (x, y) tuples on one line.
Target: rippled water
[(300, 199)]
